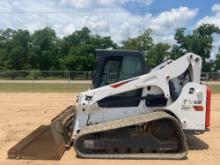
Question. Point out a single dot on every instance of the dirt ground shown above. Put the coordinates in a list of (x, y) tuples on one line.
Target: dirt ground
[(20, 113)]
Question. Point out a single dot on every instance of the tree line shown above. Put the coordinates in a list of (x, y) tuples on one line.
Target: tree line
[(44, 50)]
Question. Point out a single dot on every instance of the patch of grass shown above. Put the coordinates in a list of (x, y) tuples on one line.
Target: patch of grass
[(59, 87), (43, 87), (215, 88)]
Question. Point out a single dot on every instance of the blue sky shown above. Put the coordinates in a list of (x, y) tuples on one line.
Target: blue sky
[(119, 18), (158, 6)]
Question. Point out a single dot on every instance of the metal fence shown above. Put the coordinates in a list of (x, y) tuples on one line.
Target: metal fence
[(45, 81), (46, 75), (72, 75), (210, 76), (60, 81)]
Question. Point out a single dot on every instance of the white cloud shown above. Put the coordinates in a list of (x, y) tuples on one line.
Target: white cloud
[(215, 19), (89, 4), (82, 4), (165, 24), (146, 2), (173, 18), (216, 8), (103, 17), (212, 19)]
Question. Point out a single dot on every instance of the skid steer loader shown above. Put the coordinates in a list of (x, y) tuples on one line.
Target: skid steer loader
[(131, 112)]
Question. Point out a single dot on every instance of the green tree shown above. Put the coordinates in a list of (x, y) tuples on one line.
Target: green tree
[(14, 47), (154, 53), (78, 63), (43, 50), (157, 54), (5, 36), (199, 42), (82, 42), (217, 62), (16, 58), (3, 59), (143, 42), (77, 51)]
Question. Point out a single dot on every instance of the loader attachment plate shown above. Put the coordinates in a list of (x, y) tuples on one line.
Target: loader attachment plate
[(47, 142)]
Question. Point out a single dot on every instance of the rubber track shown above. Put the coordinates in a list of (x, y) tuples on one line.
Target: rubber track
[(129, 122)]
